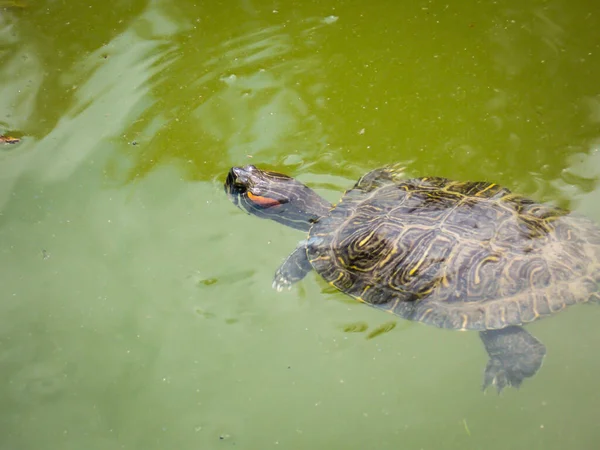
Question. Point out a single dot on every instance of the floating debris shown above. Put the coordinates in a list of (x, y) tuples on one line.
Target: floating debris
[(466, 427), (208, 281), (5, 139), (205, 314)]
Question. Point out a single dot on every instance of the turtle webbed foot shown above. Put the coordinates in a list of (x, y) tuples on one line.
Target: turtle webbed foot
[(293, 269), (514, 356), (499, 375)]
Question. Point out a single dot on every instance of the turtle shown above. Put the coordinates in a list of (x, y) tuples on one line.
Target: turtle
[(460, 255)]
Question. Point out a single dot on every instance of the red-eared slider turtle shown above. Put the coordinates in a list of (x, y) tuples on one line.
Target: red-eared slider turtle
[(458, 255)]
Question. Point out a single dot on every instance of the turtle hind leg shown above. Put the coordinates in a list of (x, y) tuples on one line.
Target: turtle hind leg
[(514, 355), (294, 268)]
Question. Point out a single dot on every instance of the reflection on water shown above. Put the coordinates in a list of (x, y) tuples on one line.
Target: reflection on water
[(38, 382), (258, 106), (112, 89), (20, 78), (241, 98), (579, 181)]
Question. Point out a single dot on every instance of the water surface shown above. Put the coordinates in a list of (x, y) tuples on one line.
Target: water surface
[(137, 309)]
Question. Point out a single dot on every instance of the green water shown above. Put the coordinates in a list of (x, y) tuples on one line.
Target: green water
[(136, 308)]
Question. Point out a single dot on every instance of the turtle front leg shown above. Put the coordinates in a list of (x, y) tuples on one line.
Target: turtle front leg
[(293, 269), (514, 355)]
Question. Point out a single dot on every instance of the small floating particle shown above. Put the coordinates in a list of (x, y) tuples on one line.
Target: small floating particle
[(229, 80), (208, 281), (205, 314)]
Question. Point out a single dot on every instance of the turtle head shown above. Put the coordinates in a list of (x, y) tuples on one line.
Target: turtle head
[(275, 196)]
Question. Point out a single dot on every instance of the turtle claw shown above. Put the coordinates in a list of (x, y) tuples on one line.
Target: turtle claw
[(500, 376), (293, 269), (280, 282)]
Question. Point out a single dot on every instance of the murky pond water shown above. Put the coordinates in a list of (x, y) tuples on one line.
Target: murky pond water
[(137, 308)]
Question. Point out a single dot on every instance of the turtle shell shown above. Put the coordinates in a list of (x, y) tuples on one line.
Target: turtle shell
[(460, 255)]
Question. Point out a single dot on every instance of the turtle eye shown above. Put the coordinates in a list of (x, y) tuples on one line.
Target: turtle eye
[(238, 188), (235, 184)]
